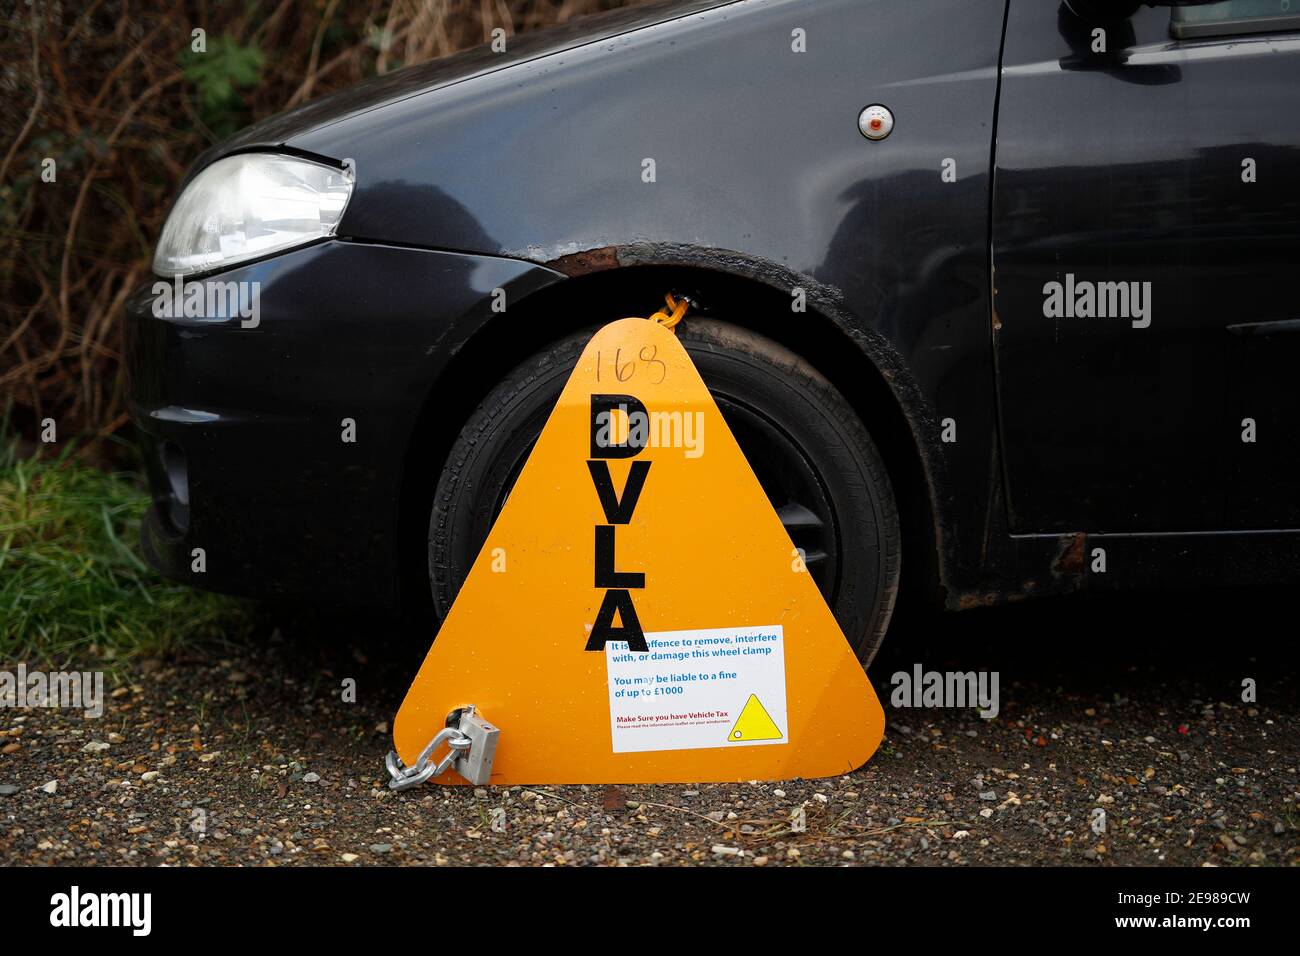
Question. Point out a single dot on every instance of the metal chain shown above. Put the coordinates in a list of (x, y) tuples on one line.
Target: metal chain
[(424, 769), (670, 316)]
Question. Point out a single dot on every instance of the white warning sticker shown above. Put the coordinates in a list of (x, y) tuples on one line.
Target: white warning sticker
[(722, 687)]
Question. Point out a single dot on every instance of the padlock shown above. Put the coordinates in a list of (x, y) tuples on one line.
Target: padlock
[(475, 764)]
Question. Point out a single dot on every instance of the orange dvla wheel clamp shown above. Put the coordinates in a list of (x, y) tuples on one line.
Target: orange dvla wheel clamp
[(638, 613)]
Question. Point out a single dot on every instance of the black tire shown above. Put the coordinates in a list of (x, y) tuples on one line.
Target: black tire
[(812, 456)]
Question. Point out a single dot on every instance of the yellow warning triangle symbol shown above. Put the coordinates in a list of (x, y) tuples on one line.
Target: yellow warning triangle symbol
[(754, 723), (642, 587)]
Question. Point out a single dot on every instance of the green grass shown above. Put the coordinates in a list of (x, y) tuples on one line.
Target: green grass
[(72, 583)]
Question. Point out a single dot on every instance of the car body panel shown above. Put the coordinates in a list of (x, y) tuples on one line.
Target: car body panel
[(279, 502), (760, 170), (527, 172), (390, 88), (1108, 427)]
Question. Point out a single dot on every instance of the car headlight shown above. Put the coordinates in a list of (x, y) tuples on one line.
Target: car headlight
[(247, 206)]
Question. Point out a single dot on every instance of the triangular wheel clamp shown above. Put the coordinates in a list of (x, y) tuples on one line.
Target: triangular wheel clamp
[(724, 606)]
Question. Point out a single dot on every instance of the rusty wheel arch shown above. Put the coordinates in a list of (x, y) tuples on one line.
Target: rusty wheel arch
[(748, 292)]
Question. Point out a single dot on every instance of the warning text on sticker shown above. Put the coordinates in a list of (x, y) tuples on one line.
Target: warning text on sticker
[(660, 718), (675, 694)]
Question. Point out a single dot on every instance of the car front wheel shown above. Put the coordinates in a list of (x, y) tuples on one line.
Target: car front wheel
[(810, 452)]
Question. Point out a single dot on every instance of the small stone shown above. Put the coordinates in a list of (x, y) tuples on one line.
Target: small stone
[(849, 855), (94, 747), (311, 778), (149, 776), (380, 847), (720, 850), (8, 790), (778, 792), (51, 787), (349, 858)]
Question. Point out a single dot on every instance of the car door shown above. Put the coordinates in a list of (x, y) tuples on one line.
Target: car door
[(1145, 225)]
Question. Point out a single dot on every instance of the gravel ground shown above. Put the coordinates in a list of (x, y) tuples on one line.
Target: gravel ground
[(246, 755)]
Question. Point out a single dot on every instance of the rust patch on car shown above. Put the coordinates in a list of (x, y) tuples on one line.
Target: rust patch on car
[(1069, 559), (993, 299), (586, 262)]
